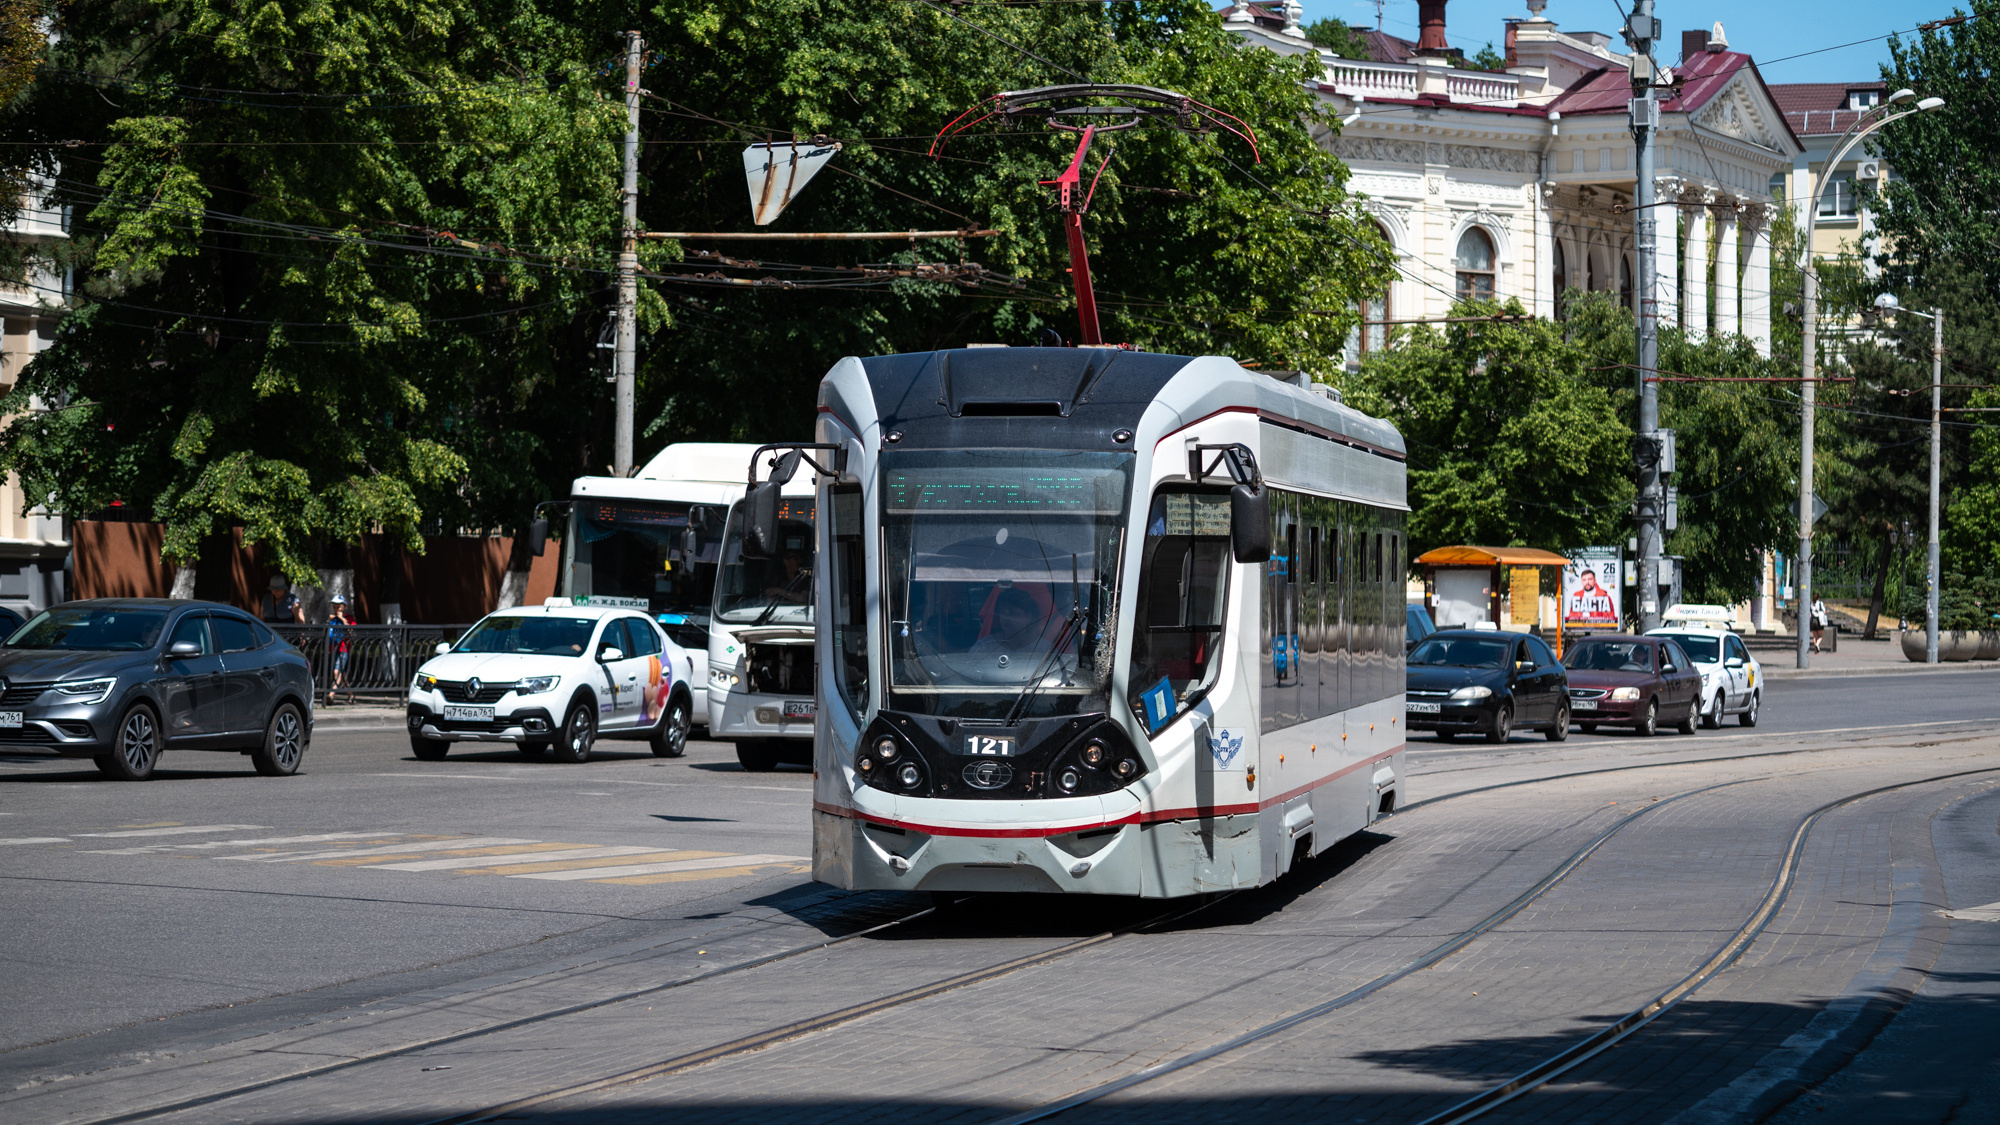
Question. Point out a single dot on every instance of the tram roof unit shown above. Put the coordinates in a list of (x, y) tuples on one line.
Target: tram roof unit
[(1003, 398), (697, 472)]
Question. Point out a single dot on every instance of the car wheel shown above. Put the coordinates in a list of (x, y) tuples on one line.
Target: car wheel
[(1749, 716), (671, 740), (429, 749), (135, 750), (1503, 724), (1587, 728), (284, 745), (757, 755), (1559, 730), (533, 749), (1648, 724), (579, 732), (1686, 725), (1713, 717)]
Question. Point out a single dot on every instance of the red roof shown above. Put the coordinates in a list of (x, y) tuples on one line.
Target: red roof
[(1819, 108), (1608, 90)]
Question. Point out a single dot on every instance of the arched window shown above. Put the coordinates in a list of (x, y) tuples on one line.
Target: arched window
[(1475, 265), (1625, 282), (1559, 275), (1375, 337)]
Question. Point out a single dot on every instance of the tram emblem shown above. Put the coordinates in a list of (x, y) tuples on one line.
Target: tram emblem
[(988, 775), (1225, 748)]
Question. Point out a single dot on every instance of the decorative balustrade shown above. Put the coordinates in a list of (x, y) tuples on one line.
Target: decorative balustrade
[(1484, 89), (1366, 79)]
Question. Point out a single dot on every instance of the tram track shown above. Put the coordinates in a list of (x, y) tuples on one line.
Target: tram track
[(766, 1038)]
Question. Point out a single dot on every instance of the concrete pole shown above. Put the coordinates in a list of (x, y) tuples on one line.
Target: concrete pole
[(1650, 508), (626, 372), (1931, 553)]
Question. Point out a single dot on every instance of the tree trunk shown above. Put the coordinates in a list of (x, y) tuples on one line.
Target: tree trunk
[(514, 582), (183, 582), (1881, 588)]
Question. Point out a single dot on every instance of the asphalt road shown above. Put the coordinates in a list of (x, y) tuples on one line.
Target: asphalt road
[(189, 907)]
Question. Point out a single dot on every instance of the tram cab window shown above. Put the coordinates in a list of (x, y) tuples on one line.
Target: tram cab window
[(1183, 591), (850, 598)]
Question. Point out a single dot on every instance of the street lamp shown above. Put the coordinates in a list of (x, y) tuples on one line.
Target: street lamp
[(1888, 303), (1869, 121)]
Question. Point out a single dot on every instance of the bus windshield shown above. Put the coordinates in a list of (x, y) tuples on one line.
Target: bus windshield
[(640, 554), (776, 591), (1001, 582)]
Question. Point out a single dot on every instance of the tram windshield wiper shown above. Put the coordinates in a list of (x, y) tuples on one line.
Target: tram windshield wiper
[(1034, 685)]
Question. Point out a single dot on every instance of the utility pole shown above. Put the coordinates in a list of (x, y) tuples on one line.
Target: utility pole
[(1931, 553), (1649, 508), (626, 371)]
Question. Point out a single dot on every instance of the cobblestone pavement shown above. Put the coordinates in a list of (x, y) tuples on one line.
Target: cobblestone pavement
[(1857, 934)]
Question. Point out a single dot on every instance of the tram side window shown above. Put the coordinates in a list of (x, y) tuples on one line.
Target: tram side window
[(850, 598), (1183, 590)]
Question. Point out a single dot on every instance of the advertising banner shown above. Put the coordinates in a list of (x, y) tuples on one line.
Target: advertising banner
[(1591, 585)]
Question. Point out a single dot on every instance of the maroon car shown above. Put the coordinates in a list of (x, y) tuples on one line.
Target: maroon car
[(1640, 682)]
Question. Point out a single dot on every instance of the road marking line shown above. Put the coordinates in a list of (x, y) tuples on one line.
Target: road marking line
[(187, 830), (35, 840), (406, 853), (435, 845), (458, 776), (606, 859), (606, 873), (321, 838), (574, 851), (711, 873)]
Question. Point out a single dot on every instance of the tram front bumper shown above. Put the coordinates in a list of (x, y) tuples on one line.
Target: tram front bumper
[(1167, 859)]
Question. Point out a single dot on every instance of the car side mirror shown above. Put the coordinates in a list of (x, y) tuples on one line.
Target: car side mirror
[(609, 653), (1250, 523), (1734, 662), (181, 650), (442, 648)]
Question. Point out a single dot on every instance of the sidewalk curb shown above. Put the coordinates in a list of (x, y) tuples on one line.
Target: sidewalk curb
[(370, 719), (1957, 667)]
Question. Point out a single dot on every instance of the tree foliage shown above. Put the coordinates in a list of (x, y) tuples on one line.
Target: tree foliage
[(1337, 36)]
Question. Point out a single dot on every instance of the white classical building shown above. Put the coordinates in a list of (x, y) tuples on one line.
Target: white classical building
[(1519, 183)]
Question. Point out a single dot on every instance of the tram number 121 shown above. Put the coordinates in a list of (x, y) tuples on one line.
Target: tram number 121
[(987, 746)]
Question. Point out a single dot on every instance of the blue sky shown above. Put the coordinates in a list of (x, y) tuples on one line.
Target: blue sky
[(1766, 30)]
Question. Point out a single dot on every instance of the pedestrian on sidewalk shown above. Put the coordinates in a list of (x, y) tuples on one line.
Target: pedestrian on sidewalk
[(1818, 622), (281, 606), (339, 634)]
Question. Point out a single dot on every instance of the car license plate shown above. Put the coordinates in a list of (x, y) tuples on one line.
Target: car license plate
[(1416, 708), (799, 709), (990, 745), (10, 718), (459, 713), (1583, 704)]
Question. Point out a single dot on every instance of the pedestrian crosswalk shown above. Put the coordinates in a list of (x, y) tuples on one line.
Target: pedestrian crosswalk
[(468, 855)]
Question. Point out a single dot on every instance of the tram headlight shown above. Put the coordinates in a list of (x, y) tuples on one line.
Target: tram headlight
[(1125, 768), (1624, 694), (1093, 753), (887, 748), (1472, 691), (909, 775), (1067, 779), (865, 765)]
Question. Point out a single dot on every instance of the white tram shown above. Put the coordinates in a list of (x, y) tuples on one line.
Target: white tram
[(1097, 621)]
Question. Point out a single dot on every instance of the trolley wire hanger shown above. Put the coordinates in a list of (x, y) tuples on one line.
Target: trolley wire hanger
[(1128, 107)]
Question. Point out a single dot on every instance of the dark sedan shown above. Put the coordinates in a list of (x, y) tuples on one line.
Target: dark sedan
[(1640, 682), (119, 680), (1473, 681)]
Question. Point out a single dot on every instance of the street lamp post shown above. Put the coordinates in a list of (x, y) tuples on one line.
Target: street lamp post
[(1809, 358), (1888, 303)]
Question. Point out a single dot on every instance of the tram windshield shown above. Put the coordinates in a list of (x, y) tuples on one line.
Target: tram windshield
[(1002, 580), (774, 591)]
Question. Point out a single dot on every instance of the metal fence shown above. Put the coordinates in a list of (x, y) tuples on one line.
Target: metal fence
[(380, 658)]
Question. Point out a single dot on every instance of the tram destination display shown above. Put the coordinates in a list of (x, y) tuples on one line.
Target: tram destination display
[(967, 490)]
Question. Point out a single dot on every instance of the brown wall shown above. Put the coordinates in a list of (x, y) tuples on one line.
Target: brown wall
[(455, 580)]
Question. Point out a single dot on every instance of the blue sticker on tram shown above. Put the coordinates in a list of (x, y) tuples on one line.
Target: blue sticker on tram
[(1159, 704)]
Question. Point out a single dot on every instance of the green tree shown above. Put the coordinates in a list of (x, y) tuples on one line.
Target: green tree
[(1336, 36), (1510, 443), (1488, 59)]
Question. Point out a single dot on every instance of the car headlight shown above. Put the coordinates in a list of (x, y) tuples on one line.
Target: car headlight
[(1624, 694), (724, 679), (87, 691), (1475, 691), (424, 683), (535, 685)]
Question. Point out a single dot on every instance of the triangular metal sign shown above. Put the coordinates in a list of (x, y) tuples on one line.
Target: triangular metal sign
[(778, 172)]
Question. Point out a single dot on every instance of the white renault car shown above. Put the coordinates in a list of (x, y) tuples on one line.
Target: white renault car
[(554, 676), (1732, 682)]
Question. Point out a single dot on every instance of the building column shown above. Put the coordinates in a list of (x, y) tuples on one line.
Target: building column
[(1728, 280), (1757, 281), (1694, 210), (1667, 254), (1544, 304)]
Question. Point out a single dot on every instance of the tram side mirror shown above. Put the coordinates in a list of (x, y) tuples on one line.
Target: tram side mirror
[(538, 537), (760, 510), (1250, 524)]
